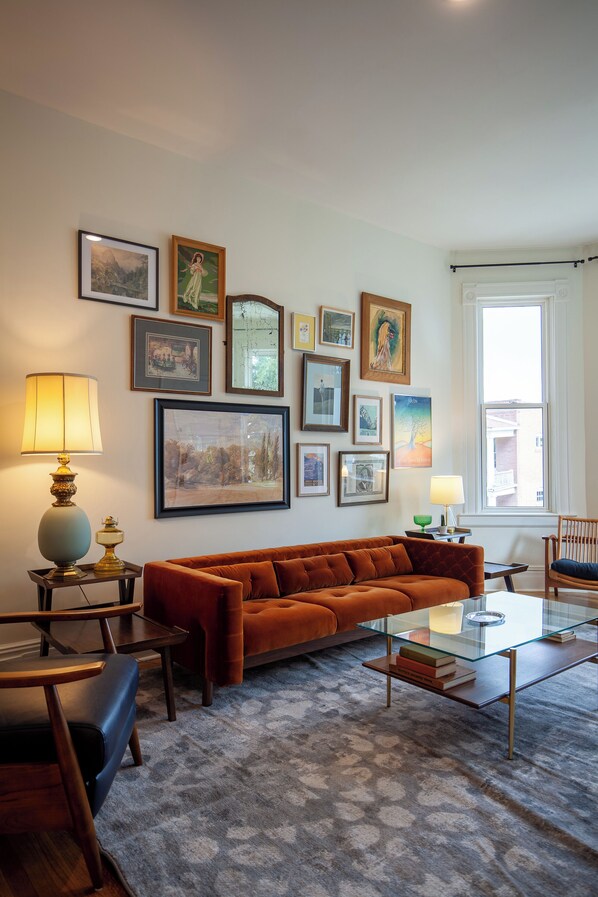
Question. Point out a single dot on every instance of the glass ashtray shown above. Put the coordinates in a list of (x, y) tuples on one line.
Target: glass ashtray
[(486, 617)]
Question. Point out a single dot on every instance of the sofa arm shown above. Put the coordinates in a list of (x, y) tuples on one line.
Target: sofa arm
[(435, 558), (209, 607)]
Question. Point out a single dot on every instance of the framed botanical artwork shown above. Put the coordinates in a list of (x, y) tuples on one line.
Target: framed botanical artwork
[(362, 478), (367, 420), (303, 332), (411, 431), (325, 393), (198, 279), (385, 339), (169, 356), (336, 327), (254, 346), (219, 457), (313, 469), (117, 271)]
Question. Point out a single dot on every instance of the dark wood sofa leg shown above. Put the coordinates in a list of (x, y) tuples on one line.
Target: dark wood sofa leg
[(207, 693)]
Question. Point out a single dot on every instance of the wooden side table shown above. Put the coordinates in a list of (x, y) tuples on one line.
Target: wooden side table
[(459, 534), (45, 586), (495, 571)]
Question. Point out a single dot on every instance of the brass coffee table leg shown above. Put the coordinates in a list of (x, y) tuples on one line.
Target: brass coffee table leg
[(511, 653), (389, 677)]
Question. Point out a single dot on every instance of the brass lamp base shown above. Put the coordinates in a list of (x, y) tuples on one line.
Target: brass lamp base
[(63, 572), (109, 564)]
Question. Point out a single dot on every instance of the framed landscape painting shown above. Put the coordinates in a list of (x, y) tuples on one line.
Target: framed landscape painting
[(168, 356), (325, 393), (367, 420), (117, 271), (313, 469), (362, 478), (219, 457), (385, 339), (411, 431), (336, 327), (198, 279)]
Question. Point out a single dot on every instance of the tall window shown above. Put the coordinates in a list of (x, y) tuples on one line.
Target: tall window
[(514, 410)]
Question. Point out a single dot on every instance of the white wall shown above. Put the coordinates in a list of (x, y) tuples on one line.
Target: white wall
[(59, 174)]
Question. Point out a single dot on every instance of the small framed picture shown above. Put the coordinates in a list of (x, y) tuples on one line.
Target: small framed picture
[(362, 478), (198, 279), (336, 327), (367, 420), (117, 271), (304, 332), (168, 356), (325, 393), (313, 469)]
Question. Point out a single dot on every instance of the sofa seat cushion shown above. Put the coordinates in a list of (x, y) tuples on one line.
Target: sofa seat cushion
[(374, 563), (357, 603), (425, 591), (319, 572), (258, 578), (274, 623)]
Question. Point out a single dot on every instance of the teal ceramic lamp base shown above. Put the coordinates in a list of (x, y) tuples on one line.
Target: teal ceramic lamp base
[(422, 520), (64, 536)]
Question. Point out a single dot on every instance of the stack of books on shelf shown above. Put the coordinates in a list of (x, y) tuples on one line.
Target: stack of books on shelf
[(566, 636), (430, 667)]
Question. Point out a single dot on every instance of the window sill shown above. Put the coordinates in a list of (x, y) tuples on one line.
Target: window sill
[(543, 519)]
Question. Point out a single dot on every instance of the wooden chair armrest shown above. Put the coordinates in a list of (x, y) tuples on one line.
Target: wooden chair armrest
[(47, 674), (55, 616)]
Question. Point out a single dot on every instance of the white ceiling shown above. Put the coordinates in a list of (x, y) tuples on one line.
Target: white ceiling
[(469, 124)]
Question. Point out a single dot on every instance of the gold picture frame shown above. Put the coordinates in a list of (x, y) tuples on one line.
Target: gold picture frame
[(197, 279), (385, 339), (303, 332)]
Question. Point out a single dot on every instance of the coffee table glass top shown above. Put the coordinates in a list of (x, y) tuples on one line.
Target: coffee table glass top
[(445, 627)]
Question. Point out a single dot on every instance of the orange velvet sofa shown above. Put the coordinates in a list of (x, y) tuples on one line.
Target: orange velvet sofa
[(247, 608)]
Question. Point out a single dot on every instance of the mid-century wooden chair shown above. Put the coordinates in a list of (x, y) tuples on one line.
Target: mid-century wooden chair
[(571, 557), (65, 724)]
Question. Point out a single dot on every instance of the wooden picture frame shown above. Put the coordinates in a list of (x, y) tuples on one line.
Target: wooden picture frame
[(254, 346), (385, 339), (303, 332), (337, 327), (362, 478), (367, 420), (220, 457), (170, 356), (313, 469), (325, 402), (198, 272), (117, 271)]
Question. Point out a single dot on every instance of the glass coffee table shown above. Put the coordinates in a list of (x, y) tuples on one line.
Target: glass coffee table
[(521, 636)]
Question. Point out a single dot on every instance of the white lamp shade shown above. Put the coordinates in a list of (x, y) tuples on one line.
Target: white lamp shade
[(446, 491), (61, 415)]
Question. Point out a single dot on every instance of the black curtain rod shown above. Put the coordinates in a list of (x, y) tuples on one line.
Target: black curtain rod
[(574, 262), (592, 258)]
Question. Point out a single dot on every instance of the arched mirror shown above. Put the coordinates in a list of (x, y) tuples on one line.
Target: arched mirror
[(254, 346)]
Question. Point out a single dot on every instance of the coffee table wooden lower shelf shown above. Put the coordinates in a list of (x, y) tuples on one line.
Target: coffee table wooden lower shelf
[(535, 662)]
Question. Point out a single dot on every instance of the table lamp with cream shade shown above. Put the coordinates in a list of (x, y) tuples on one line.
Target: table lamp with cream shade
[(61, 418), (447, 491)]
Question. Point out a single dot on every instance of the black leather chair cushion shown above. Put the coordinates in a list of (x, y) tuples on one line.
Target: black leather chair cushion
[(100, 712)]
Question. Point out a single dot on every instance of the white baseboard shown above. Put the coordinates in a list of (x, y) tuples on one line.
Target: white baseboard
[(16, 650)]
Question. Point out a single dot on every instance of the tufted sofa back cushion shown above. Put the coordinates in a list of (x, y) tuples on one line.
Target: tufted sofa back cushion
[(373, 563), (304, 574), (258, 578)]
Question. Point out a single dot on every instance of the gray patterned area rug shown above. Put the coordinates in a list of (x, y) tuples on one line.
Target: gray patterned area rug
[(300, 783)]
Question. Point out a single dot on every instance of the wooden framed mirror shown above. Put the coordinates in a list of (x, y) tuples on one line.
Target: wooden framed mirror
[(254, 346)]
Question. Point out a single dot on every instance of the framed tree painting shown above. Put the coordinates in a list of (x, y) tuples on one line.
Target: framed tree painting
[(313, 469), (117, 271), (367, 420), (336, 327), (170, 356), (198, 279), (219, 457), (385, 339), (411, 431), (325, 393), (362, 478)]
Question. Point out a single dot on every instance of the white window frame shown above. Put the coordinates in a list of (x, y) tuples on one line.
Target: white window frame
[(553, 296)]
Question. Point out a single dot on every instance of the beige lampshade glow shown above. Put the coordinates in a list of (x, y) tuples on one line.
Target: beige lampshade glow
[(61, 415), (446, 491)]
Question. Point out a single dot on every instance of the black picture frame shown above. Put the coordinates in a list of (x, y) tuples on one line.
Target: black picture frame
[(116, 271), (170, 356), (202, 448)]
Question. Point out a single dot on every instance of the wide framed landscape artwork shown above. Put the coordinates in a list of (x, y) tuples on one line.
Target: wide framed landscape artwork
[(411, 431), (325, 393), (169, 356), (367, 420), (220, 457), (362, 478), (313, 469), (117, 271), (198, 279), (385, 339)]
